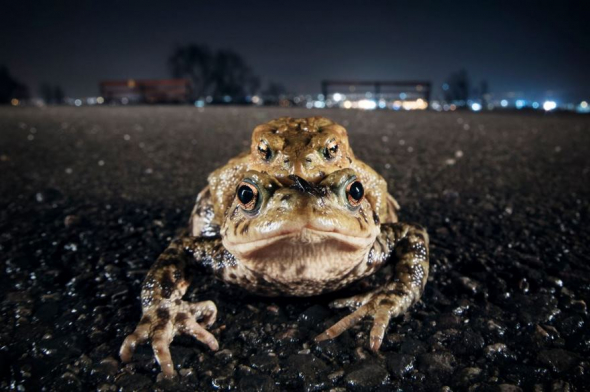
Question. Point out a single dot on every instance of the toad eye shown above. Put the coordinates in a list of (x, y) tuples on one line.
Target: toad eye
[(264, 150), (355, 193), (247, 195), (331, 150)]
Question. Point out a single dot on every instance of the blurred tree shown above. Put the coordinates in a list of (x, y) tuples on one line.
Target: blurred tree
[(232, 76), (11, 88), (221, 74), (196, 63), (457, 88)]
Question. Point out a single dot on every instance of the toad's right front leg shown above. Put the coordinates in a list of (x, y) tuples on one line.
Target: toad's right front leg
[(165, 314)]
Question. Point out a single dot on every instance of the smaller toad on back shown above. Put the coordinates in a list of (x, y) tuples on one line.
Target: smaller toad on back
[(309, 148)]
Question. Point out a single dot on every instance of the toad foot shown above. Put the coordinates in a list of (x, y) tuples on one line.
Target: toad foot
[(381, 306), (160, 323)]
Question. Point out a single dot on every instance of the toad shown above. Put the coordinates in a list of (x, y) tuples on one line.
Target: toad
[(283, 235)]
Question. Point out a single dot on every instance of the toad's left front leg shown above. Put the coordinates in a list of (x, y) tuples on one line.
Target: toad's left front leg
[(409, 245)]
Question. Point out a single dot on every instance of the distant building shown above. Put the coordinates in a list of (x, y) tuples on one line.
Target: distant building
[(146, 91)]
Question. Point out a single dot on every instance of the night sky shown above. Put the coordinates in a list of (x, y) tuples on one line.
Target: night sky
[(537, 49)]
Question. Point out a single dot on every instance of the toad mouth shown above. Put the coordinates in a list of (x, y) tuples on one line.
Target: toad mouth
[(302, 236)]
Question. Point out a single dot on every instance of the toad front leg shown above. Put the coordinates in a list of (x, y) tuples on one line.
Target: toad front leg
[(165, 314), (409, 243)]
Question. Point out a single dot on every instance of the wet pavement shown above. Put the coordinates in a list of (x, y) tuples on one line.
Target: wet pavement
[(90, 196)]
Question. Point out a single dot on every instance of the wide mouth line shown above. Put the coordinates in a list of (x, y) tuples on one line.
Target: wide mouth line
[(293, 233)]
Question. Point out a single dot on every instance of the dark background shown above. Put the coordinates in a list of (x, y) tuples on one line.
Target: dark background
[(536, 49)]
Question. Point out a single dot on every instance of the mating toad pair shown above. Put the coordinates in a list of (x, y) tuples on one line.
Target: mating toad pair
[(298, 215)]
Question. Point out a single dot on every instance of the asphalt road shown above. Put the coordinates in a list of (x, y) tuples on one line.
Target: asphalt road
[(90, 196)]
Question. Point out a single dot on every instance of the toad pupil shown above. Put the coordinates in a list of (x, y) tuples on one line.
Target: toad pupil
[(245, 194), (356, 191)]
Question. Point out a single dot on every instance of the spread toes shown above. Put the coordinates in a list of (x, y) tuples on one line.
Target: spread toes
[(160, 325), (380, 307)]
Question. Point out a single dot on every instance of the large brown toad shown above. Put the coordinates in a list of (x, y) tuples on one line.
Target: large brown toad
[(284, 236)]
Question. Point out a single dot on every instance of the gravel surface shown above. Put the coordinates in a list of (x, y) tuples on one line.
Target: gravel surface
[(90, 196)]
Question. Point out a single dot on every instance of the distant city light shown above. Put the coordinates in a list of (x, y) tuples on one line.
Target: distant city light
[(549, 105), (361, 100), (14, 102), (445, 86), (367, 104), (418, 104)]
